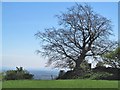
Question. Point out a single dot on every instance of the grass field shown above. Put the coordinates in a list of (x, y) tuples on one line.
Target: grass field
[(60, 84)]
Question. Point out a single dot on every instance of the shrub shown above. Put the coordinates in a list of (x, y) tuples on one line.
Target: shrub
[(96, 75), (17, 74), (10, 75), (100, 75), (28, 76)]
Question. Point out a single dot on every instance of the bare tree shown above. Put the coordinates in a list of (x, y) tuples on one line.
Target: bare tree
[(82, 33)]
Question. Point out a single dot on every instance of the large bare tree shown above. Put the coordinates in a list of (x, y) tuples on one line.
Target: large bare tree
[(82, 33)]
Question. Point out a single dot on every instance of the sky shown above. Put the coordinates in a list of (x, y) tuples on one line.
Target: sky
[(20, 21)]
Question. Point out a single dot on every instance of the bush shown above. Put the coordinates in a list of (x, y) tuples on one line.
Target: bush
[(96, 75), (18, 74), (100, 75), (28, 76), (10, 75)]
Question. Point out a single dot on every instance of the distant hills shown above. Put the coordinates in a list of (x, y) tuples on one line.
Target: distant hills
[(44, 74)]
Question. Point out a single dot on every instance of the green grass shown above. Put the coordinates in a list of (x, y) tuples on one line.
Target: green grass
[(60, 84)]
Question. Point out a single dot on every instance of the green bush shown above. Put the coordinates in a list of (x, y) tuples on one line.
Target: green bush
[(96, 76), (17, 74), (10, 75), (100, 75), (28, 76)]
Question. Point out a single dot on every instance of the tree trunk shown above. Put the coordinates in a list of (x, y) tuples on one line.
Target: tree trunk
[(77, 64), (79, 61)]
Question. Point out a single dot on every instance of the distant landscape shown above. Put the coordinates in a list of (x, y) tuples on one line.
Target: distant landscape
[(44, 75)]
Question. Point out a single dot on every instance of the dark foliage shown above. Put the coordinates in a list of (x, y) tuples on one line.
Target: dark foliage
[(97, 76), (98, 73), (18, 74), (73, 74), (61, 73), (114, 71)]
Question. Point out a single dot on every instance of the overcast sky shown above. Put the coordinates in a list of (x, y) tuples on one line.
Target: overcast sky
[(20, 21)]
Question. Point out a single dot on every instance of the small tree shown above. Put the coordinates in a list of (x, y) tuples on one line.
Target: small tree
[(112, 58), (82, 33)]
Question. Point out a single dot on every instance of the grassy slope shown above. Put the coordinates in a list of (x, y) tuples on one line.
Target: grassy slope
[(60, 84)]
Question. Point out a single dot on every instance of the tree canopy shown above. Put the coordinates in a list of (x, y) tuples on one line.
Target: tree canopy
[(82, 33)]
